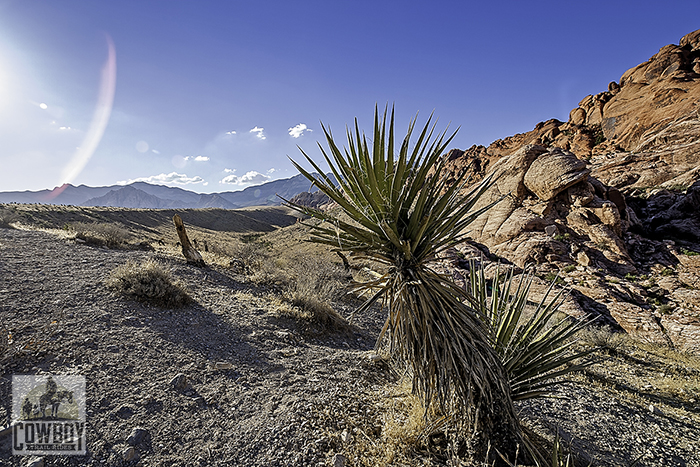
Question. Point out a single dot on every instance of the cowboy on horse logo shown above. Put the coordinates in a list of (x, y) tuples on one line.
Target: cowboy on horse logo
[(45, 405), (48, 414)]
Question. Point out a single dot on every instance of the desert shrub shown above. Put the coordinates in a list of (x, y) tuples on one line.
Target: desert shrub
[(605, 338), (150, 282), (688, 252), (100, 234), (598, 135), (570, 268), (253, 252), (314, 284), (8, 217), (553, 277)]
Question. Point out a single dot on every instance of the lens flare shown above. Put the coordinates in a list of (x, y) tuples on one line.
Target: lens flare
[(100, 118)]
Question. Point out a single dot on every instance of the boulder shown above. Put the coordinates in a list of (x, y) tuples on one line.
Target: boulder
[(554, 172), (613, 193)]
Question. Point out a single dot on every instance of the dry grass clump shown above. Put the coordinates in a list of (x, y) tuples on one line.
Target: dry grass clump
[(605, 338), (100, 234), (149, 282), (8, 216), (313, 284)]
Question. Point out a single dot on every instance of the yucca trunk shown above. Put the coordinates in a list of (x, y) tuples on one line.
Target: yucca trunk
[(442, 341)]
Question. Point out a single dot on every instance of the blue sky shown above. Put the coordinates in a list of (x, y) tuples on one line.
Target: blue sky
[(214, 95)]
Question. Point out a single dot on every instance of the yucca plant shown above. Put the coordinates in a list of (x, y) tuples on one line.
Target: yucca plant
[(534, 351), (403, 213)]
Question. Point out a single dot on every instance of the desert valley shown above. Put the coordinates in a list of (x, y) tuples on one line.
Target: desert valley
[(257, 357)]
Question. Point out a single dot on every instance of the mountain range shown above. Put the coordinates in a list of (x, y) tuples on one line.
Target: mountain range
[(142, 195)]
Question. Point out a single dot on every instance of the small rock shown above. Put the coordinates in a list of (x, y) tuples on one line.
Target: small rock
[(551, 230), (655, 410), (583, 259), (137, 436), (124, 411), (35, 462), (345, 436), (199, 400), (179, 382), (374, 358), (223, 365), (339, 460), (129, 454)]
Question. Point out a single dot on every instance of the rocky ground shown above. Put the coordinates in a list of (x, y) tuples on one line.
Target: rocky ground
[(284, 392)]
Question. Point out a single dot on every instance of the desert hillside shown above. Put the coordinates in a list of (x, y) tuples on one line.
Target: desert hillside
[(609, 200)]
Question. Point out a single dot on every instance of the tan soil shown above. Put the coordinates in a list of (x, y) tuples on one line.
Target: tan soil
[(293, 388)]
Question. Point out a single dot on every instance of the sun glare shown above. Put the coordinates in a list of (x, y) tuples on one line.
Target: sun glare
[(103, 109)]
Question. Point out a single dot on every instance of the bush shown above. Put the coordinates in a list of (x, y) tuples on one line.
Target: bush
[(149, 282), (605, 338), (315, 284), (7, 218), (104, 234)]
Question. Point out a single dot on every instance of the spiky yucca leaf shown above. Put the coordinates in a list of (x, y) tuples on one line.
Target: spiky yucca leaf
[(534, 352), (403, 214)]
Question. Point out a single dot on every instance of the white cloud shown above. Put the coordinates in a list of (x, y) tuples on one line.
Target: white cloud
[(298, 130), (232, 132), (249, 178), (172, 177), (272, 170), (258, 132), (196, 158), (155, 151)]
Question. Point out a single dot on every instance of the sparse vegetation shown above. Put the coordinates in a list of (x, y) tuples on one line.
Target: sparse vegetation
[(8, 216), (150, 282), (100, 234), (677, 188), (667, 272), (603, 246), (688, 252), (313, 287), (553, 277), (605, 338), (562, 237), (569, 268), (598, 135)]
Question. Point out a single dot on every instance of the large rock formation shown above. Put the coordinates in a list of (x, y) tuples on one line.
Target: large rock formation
[(610, 199)]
